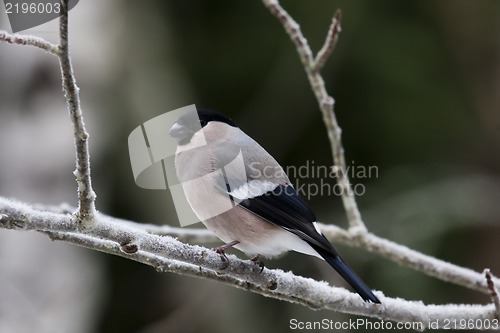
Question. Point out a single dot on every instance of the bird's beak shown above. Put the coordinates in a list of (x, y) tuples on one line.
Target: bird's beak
[(177, 131)]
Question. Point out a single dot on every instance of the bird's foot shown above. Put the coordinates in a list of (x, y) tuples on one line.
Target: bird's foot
[(221, 250), (256, 260)]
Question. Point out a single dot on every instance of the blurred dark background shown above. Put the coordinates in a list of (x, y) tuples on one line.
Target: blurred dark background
[(416, 85)]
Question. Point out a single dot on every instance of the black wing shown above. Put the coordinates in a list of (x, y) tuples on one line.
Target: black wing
[(285, 208)]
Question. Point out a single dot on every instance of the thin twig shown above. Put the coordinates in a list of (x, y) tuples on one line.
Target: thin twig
[(325, 102), (166, 254), (330, 42), (29, 40), (493, 292), (293, 30), (86, 195)]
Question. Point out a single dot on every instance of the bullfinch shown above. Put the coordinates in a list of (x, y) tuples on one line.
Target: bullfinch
[(242, 194)]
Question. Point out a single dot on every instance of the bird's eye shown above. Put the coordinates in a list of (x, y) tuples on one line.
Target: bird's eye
[(203, 122)]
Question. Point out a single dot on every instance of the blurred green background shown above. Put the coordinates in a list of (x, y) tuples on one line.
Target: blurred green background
[(416, 85)]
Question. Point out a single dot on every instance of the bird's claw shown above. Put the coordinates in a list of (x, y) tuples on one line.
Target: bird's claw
[(221, 250), (256, 260), (223, 257)]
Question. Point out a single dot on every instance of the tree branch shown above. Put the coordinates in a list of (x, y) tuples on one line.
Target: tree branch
[(86, 195), (29, 40), (165, 254), (392, 251), (385, 248), (405, 256), (493, 292), (331, 40), (325, 102)]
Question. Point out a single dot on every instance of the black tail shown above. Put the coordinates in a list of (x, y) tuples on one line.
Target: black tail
[(348, 274)]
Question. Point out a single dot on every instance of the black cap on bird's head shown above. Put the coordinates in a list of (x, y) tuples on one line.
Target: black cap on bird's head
[(188, 124), (207, 116)]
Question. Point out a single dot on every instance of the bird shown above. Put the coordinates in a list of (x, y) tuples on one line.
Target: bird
[(243, 195)]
